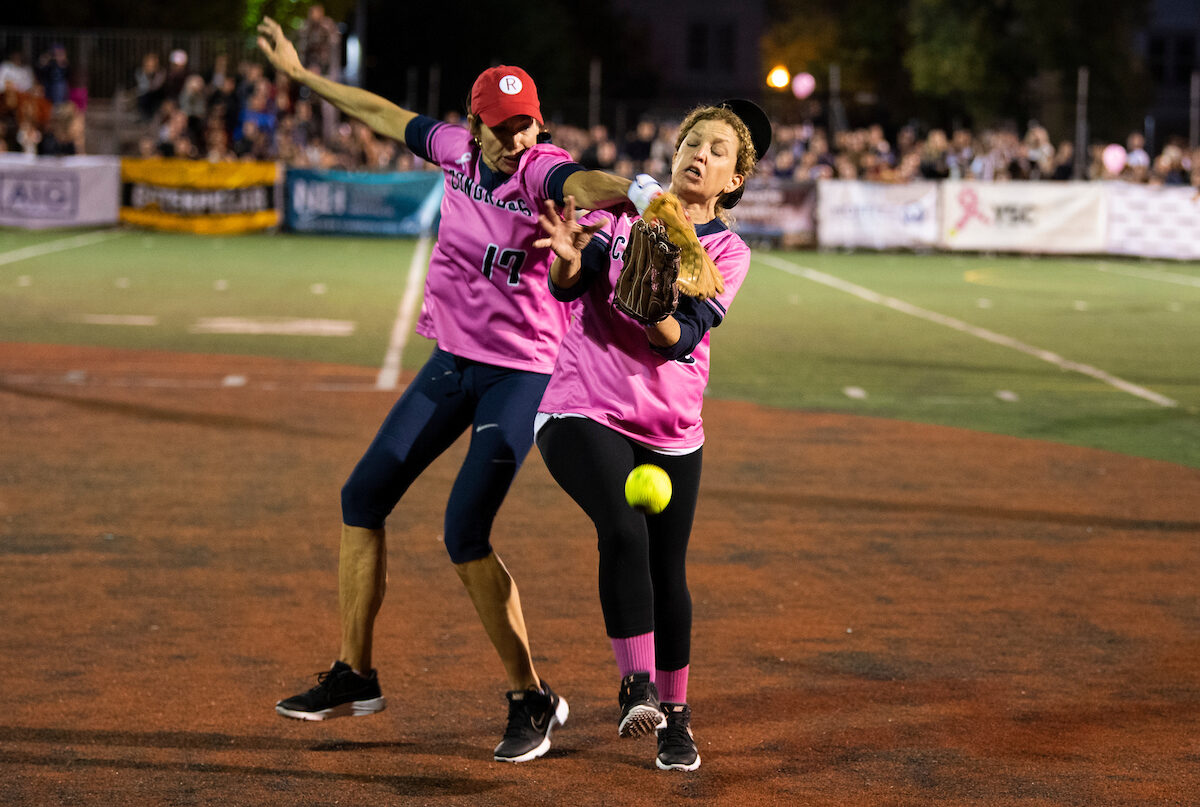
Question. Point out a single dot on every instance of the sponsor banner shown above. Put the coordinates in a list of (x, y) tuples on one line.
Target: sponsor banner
[(777, 211), (852, 213), (1153, 221), (196, 196), (395, 203), (1060, 217), (40, 192)]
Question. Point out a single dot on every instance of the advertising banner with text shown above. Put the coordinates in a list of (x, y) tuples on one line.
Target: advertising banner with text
[(877, 216), (42, 192), (197, 196), (1045, 217), (363, 203)]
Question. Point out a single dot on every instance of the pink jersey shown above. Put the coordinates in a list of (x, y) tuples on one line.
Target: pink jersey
[(608, 372), (486, 294)]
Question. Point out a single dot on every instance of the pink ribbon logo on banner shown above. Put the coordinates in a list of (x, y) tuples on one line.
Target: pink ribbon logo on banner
[(968, 200)]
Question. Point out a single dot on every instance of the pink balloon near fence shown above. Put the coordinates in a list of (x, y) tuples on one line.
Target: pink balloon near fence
[(803, 85), (1113, 158)]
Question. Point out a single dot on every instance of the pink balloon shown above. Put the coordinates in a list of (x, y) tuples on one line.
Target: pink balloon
[(1113, 158), (803, 85)]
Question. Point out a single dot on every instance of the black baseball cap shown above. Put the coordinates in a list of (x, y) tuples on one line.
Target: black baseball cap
[(760, 135)]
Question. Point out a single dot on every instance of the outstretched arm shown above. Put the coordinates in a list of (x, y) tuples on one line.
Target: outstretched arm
[(566, 237), (380, 114), (595, 190)]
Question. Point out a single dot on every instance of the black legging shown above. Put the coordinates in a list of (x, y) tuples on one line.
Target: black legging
[(643, 575)]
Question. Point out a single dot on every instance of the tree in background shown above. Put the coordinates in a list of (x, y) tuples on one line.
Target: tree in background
[(967, 62)]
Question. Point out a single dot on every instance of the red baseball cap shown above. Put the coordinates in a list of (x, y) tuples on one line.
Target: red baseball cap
[(503, 91)]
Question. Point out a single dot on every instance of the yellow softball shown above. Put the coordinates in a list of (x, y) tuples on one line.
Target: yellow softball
[(648, 488)]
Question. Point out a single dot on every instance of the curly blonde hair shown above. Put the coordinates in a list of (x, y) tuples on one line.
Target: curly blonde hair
[(747, 157)]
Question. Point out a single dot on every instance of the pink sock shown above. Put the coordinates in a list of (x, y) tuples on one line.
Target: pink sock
[(635, 654), (672, 685)]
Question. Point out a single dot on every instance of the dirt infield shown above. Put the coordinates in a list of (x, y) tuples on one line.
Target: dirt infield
[(886, 613)]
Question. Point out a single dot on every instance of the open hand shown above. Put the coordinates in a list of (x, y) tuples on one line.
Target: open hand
[(278, 49), (566, 237)]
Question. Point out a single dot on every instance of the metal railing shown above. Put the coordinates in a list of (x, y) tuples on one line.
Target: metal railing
[(106, 59)]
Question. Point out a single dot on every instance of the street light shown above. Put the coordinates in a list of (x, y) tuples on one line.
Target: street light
[(778, 77)]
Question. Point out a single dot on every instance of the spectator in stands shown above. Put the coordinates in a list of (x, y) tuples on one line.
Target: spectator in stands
[(960, 153), (318, 42), (1064, 162), (319, 45), (1168, 167), (193, 102), (216, 145), (601, 153), (877, 144), (177, 74), (1135, 151), (64, 136), (638, 144), (223, 105), (77, 89), (259, 111), (935, 153), (174, 139), (14, 71), (215, 80), (148, 85), (53, 71)]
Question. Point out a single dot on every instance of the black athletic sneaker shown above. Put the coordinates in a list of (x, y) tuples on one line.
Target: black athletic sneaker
[(676, 747), (640, 710), (532, 715), (340, 692)]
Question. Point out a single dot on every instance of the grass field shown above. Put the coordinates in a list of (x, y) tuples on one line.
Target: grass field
[(1086, 351)]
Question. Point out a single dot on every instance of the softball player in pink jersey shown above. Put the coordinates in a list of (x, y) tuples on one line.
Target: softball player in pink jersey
[(623, 394), (498, 328)]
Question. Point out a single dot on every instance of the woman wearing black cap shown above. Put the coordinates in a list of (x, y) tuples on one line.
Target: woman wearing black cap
[(624, 394)]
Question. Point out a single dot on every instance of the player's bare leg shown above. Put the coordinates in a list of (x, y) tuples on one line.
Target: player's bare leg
[(494, 595), (350, 688), (534, 710), (362, 582)]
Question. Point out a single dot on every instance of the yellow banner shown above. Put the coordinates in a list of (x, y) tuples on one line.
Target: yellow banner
[(201, 225), (199, 197), (198, 173)]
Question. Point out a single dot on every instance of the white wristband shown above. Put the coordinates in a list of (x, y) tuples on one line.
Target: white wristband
[(643, 191)]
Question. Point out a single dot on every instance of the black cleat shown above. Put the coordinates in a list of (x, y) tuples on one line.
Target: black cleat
[(676, 747), (640, 710), (340, 692), (532, 716)]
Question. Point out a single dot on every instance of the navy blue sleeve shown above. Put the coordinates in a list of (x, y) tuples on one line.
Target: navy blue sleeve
[(417, 134), (558, 178), (695, 319), (593, 261)]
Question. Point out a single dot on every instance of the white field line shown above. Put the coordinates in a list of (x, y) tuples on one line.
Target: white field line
[(973, 330), (280, 326), (1151, 274), (75, 241), (144, 320), (389, 372)]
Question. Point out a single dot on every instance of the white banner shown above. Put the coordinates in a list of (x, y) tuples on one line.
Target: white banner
[(39, 192), (878, 216), (1153, 221), (1060, 217)]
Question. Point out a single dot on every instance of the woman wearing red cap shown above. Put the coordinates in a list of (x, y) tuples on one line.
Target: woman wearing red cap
[(488, 305)]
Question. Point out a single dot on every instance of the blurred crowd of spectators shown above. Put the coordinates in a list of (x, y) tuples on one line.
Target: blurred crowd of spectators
[(806, 152), (226, 112), (42, 104), (244, 114)]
